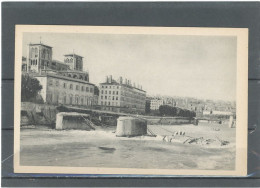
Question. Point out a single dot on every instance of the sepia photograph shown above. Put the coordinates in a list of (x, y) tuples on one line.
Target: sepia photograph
[(131, 100)]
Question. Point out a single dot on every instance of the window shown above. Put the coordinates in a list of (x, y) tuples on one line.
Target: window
[(70, 99), (117, 92), (87, 89), (77, 87), (101, 102), (105, 92), (81, 100), (102, 86), (64, 85), (113, 98), (91, 90), (82, 88), (105, 97), (71, 86), (109, 92), (101, 97), (116, 98), (113, 92), (101, 91), (57, 98)]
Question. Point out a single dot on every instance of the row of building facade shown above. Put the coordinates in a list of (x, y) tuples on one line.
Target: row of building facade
[(201, 107), (121, 96), (65, 83)]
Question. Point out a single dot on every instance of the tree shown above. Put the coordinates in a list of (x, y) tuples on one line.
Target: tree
[(147, 106), (30, 88), (166, 110)]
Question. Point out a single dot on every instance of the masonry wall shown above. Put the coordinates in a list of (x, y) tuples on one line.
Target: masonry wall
[(168, 121), (37, 114)]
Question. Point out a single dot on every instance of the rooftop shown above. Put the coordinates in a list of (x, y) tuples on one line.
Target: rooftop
[(60, 62), (63, 77), (73, 55), (75, 71), (116, 83), (37, 44)]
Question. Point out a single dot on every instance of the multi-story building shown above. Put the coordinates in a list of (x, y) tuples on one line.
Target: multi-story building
[(156, 103), (121, 96), (62, 82), (58, 89)]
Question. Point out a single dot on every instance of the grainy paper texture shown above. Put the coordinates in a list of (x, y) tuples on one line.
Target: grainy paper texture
[(131, 100)]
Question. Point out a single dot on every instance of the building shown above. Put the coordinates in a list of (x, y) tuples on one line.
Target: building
[(58, 66), (121, 96), (39, 56), (63, 82), (74, 61), (58, 89), (156, 103)]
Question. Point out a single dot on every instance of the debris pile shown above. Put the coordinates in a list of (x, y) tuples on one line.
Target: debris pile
[(182, 138)]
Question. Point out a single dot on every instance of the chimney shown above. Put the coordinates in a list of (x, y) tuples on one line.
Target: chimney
[(134, 84), (110, 79), (125, 81), (120, 80), (106, 79)]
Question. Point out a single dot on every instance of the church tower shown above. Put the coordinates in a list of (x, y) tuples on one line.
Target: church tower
[(39, 57), (74, 61)]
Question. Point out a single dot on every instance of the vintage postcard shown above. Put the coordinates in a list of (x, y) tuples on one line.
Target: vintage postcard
[(131, 100)]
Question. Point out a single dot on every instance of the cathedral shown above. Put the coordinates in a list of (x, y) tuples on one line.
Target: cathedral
[(62, 82)]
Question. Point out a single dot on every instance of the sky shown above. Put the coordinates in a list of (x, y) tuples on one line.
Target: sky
[(187, 66)]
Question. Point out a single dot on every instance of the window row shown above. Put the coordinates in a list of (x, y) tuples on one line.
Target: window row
[(33, 62), (69, 60), (109, 92), (111, 87), (109, 97), (76, 100), (110, 103), (71, 86)]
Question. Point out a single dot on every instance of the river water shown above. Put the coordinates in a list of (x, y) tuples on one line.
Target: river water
[(45, 147)]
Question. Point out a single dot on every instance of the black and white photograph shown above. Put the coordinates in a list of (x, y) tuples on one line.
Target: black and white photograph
[(130, 100)]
